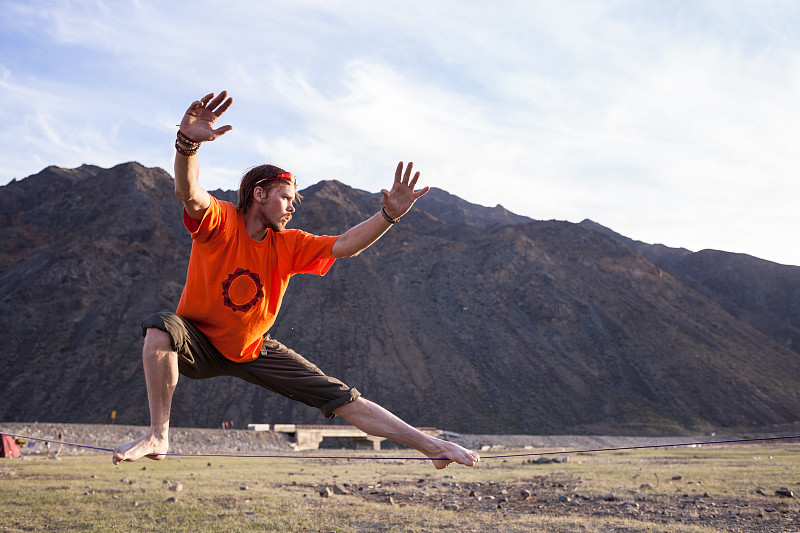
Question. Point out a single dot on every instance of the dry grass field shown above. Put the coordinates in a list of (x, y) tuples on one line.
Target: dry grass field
[(705, 489)]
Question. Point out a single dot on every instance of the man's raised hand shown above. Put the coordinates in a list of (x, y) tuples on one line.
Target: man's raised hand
[(198, 121), (402, 196)]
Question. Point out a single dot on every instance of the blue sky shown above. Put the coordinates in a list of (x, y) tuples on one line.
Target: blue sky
[(670, 122)]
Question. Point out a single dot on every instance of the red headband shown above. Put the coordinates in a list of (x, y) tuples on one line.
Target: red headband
[(288, 177)]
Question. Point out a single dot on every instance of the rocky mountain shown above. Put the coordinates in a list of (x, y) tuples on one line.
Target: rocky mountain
[(463, 317), (762, 294)]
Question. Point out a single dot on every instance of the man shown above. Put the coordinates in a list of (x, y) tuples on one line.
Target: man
[(241, 261)]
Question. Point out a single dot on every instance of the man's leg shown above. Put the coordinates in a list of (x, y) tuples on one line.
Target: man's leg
[(371, 418), (286, 372), (161, 376)]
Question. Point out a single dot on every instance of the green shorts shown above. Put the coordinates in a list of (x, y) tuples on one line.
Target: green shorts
[(277, 368)]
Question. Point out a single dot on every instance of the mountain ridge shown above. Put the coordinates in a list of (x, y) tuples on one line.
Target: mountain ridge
[(463, 317)]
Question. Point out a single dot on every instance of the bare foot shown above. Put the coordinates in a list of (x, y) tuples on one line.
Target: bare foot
[(454, 454), (145, 446)]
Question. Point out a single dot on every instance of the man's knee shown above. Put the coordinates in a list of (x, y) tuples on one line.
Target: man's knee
[(357, 405), (156, 340)]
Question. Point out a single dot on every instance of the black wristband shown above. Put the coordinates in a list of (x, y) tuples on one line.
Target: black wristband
[(389, 219)]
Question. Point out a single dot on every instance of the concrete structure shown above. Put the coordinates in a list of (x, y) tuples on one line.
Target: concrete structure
[(309, 437)]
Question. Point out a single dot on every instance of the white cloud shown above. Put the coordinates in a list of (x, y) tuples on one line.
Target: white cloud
[(670, 123)]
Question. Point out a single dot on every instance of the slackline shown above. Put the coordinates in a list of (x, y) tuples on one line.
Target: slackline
[(393, 458)]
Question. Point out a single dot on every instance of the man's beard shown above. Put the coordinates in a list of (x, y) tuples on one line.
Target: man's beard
[(276, 226)]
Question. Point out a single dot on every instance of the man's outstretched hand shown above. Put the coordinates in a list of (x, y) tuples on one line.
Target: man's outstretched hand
[(198, 121), (402, 196)]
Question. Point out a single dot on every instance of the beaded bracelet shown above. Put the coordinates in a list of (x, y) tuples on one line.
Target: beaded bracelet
[(187, 141), (184, 151)]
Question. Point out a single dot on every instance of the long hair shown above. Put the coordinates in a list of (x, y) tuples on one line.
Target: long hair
[(253, 176)]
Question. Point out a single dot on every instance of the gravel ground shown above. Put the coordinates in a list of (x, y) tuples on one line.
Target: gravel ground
[(201, 440), (554, 494), (560, 495), (182, 440)]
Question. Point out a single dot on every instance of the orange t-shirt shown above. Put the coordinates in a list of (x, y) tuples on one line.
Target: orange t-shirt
[(235, 284)]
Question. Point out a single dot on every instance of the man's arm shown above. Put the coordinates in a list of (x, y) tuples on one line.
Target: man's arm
[(396, 203), (197, 126)]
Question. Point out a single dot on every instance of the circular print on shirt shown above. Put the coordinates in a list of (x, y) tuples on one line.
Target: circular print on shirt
[(240, 286)]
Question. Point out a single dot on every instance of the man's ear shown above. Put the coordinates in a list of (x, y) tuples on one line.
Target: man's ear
[(259, 194)]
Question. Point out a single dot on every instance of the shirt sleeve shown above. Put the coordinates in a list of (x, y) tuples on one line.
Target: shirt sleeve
[(313, 254), (209, 226)]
